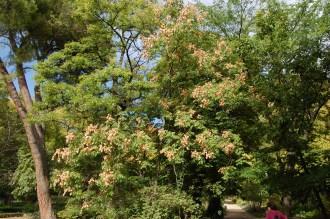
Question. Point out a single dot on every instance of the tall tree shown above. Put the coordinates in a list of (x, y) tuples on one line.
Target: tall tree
[(294, 81), (11, 140), (28, 28), (119, 167), (100, 74), (286, 53)]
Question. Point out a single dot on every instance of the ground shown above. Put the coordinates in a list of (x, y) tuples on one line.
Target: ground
[(234, 211), (14, 218), (22, 217)]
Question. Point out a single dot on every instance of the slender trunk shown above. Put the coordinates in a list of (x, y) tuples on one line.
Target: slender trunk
[(40, 128), (27, 99), (37, 150)]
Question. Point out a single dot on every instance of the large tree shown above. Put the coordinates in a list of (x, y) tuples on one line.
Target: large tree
[(172, 131), (286, 52), (32, 30), (295, 83), (12, 140)]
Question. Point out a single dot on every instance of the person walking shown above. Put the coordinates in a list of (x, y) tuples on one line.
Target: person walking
[(274, 213)]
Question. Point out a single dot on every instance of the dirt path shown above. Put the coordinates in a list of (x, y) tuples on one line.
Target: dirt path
[(12, 217), (23, 217), (234, 211), (15, 218)]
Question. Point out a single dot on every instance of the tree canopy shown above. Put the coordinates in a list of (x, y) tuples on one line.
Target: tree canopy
[(162, 109)]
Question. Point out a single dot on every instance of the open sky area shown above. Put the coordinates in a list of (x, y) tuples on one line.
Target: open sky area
[(4, 51)]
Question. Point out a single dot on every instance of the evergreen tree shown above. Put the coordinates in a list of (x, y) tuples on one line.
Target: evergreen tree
[(28, 28)]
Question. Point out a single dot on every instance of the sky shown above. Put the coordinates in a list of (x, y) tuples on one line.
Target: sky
[(30, 73), (4, 55)]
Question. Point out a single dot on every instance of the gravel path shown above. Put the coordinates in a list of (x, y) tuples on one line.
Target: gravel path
[(234, 211)]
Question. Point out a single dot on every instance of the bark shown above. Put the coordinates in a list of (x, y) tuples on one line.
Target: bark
[(20, 75), (36, 146), (40, 163), (24, 90), (40, 128), (214, 209)]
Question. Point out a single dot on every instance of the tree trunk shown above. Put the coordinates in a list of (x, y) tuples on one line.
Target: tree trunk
[(214, 209), (41, 171), (36, 146), (24, 90)]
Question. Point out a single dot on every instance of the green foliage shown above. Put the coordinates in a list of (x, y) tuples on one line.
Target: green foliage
[(233, 18), (23, 178), (160, 110), (308, 214), (92, 80), (254, 190), (30, 31), (33, 24), (161, 202), (12, 140), (197, 89)]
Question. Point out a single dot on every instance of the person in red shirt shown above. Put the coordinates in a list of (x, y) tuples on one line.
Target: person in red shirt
[(273, 213)]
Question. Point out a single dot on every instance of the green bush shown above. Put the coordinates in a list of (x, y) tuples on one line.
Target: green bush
[(164, 202), (311, 214)]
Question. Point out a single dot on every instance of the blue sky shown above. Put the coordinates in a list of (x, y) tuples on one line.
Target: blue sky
[(30, 73), (4, 53)]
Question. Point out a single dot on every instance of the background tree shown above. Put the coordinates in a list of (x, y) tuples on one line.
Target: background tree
[(285, 53), (298, 79)]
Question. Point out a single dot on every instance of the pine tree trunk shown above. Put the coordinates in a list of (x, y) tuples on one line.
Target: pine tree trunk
[(35, 141), (41, 171)]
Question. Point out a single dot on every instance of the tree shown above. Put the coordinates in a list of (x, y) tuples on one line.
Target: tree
[(232, 19), (295, 90), (98, 75), (12, 139), (27, 27), (195, 91), (285, 52), (158, 103)]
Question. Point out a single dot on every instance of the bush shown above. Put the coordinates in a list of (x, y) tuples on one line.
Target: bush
[(312, 214), (163, 202)]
